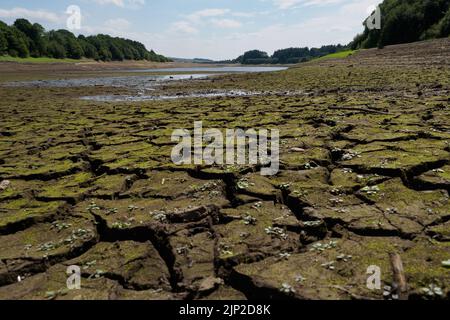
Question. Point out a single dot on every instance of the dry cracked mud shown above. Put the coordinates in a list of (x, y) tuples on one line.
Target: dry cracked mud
[(365, 173)]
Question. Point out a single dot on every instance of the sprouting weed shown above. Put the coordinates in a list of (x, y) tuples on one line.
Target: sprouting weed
[(446, 264), (121, 225), (206, 187), (370, 190), (284, 256), (276, 232), (389, 293), (131, 208), (329, 265), (391, 211), (244, 184), (213, 193), (343, 257), (287, 288), (300, 193), (81, 233), (285, 186), (93, 206), (161, 217), (182, 250), (89, 264), (225, 250), (249, 220), (50, 295), (336, 201), (111, 211), (300, 279), (433, 291), (97, 274), (336, 191), (323, 246), (70, 240), (349, 155), (257, 205), (226, 253), (48, 246), (60, 225), (312, 223)]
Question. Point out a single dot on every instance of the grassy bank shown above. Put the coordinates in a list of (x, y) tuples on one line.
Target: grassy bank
[(37, 60), (337, 55)]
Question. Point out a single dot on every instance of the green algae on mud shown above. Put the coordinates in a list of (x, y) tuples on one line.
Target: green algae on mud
[(365, 159)]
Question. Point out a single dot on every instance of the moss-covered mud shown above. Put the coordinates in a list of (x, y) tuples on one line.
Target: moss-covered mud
[(365, 172)]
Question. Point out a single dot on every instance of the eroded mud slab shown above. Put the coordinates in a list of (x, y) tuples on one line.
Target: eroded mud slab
[(364, 173)]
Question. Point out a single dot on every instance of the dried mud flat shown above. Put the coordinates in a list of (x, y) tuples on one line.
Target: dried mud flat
[(365, 172)]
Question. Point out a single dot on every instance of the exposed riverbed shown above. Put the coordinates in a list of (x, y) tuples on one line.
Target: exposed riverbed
[(143, 85)]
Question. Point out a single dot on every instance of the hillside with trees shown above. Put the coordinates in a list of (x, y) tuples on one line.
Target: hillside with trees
[(287, 56), (405, 21), (23, 39)]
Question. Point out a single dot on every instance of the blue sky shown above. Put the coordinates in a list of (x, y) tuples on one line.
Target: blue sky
[(217, 29)]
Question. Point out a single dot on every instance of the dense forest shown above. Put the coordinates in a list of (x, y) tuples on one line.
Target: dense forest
[(405, 21), (23, 39), (286, 56)]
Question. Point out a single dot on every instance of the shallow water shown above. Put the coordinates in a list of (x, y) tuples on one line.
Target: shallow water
[(128, 81), (216, 69), (143, 84)]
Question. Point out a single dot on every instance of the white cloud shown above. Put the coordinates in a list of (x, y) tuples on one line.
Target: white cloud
[(119, 23), (286, 4), (226, 23), (183, 27), (198, 15), (40, 15), (119, 3), (122, 3), (244, 14)]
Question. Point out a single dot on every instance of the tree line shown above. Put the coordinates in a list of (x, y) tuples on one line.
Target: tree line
[(404, 21), (287, 56), (24, 39)]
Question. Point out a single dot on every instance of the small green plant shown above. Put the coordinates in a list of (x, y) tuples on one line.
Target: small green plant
[(92, 207), (432, 291), (329, 265), (249, 220), (121, 225), (287, 289), (370, 190), (276, 232), (323, 246)]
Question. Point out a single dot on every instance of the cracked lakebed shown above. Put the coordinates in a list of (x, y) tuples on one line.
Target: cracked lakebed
[(365, 164)]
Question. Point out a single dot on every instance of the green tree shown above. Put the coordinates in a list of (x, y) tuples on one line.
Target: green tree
[(406, 21), (56, 50), (116, 53), (255, 57), (24, 38), (3, 44), (445, 25), (17, 43)]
